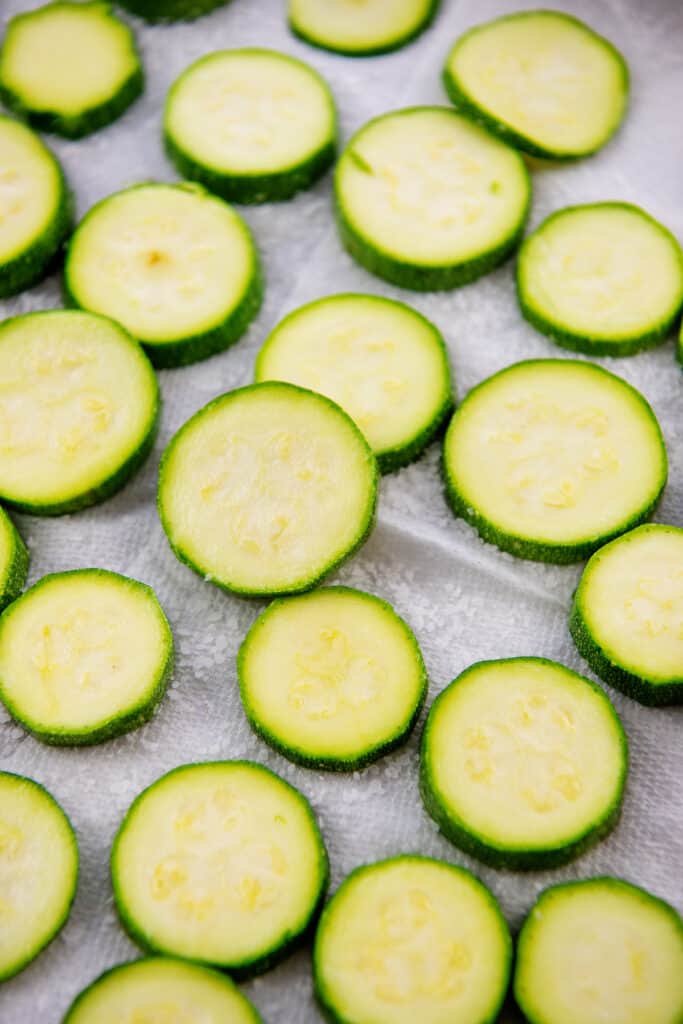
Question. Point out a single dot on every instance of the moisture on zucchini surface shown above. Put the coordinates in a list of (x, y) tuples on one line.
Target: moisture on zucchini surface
[(69, 68), (428, 200), (551, 458), (360, 30), (627, 618), (14, 559), (171, 10), (84, 656), (411, 939), (251, 125), (600, 950), (80, 415), (267, 489), (542, 80), (38, 870), (173, 264), (35, 204), (523, 763), (221, 862), (380, 360), (606, 279)]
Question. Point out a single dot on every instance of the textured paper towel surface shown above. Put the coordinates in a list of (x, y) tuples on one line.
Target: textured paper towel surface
[(465, 600)]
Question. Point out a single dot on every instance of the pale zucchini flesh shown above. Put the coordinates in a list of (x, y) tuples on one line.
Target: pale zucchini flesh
[(14, 559), (360, 29)]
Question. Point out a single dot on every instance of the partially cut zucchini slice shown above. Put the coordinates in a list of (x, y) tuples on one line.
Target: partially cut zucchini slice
[(38, 871), (267, 489), (84, 656), (171, 10), (627, 618), (606, 279), (79, 404), (251, 125), (600, 950), (222, 863), (542, 80), (360, 29), (412, 939), (69, 68), (14, 560), (332, 679), (35, 208), (173, 264), (380, 360), (428, 200), (523, 763), (551, 458)]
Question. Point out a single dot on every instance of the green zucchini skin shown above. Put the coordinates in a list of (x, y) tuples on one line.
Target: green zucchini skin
[(374, 51), (17, 571), (171, 10), (393, 459)]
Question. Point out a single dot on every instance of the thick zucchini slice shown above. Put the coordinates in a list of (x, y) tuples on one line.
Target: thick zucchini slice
[(375, 26), (428, 200), (35, 208), (606, 279), (267, 489), (627, 617), (79, 405), (38, 871), (173, 264), (332, 679), (541, 80), (551, 458), (171, 10), (221, 863), (14, 558), (84, 656), (412, 939), (523, 763), (69, 68), (251, 125), (600, 950)]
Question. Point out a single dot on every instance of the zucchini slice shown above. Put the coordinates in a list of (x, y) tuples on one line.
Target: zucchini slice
[(35, 208), (600, 950), (541, 80), (551, 458), (161, 989), (267, 489), (412, 939), (627, 617), (373, 27), (14, 559), (173, 264), (38, 871), (84, 656), (332, 679), (508, 768), (45, 77), (171, 10), (381, 361), (79, 406), (222, 863), (428, 200), (606, 279), (251, 125)]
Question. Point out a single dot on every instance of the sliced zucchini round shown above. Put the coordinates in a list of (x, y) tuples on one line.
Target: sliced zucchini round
[(375, 26), (332, 679), (251, 125), (600, 950), (412, 939), (541, 80), (79, 405), (45, 77), (84, 656), (171, 10), (380, 360), (523, 763), (38, 871), (35, 208), (267, 489), (428, 200), (14, 559), (222, 863), (551, 458), (627, 617), (606, 279), (173, 264)]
